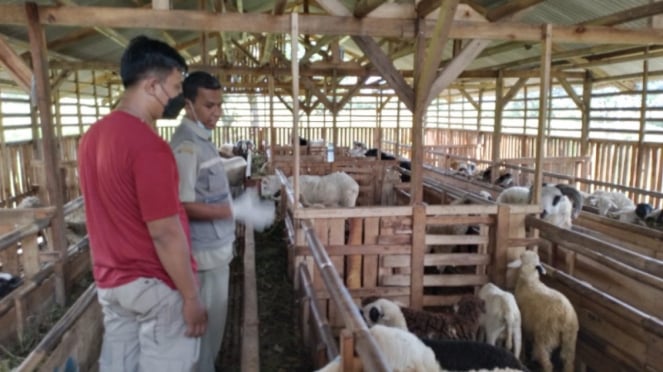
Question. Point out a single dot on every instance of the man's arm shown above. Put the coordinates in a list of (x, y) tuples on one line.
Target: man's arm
[(202, 211), (172, 249)]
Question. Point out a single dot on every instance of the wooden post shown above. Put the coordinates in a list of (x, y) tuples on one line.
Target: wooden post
[(335, 130), (497, 128), (354, 262), (416, 180), (546, 41), (638, 171), (417, 256), (272, 130), (79, 114), (203, 37), (96, 98), (397, 150), (51, 161), (479, 110), (294, 33), (584, 134)]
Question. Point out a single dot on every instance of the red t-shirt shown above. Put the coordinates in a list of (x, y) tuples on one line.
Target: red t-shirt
[(128, 176)]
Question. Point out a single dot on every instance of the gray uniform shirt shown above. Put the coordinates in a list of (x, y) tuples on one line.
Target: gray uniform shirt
[(203, 180)]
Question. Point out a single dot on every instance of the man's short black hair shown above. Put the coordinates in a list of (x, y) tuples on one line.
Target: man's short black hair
[(198, 79), (145, 56)]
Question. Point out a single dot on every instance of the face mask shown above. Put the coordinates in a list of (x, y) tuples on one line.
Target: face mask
[(199, 123), (174, 105)]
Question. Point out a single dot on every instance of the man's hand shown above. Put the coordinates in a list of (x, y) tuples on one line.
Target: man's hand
[(195, 317)]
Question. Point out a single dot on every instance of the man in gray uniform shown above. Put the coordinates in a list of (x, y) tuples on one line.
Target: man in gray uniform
[(205, 194)]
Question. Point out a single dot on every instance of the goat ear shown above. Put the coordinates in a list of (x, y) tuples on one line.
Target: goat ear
[(374, 315), (556, 200)]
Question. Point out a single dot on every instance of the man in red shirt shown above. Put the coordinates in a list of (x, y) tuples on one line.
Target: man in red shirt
[(139, 237)]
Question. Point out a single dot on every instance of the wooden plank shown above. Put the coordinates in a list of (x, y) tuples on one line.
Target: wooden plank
[(416, 278), (370, 269), (385, 292), (337, 237), (18, 70), (250, 320), (455, 239), (460, 220), (354, 262), (447, 280), (500, 238), (353, 212), (435, 259), (464, 210), (30, 257)]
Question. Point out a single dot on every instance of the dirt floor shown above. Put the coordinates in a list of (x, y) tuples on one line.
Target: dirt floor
[(281, 347)]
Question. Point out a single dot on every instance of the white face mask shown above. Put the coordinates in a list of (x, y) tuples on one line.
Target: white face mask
[(198, 122)]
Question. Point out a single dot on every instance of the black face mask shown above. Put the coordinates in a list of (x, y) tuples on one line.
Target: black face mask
[(173, 107)]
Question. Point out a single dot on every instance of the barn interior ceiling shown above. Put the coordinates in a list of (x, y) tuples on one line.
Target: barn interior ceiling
[(327, 58)]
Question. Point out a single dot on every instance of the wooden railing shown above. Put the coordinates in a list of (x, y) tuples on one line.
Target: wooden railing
[(35, 264), (615, 291), (368, 350)]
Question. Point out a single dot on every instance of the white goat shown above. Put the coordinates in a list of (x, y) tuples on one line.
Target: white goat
[(402, 351), (337, 189), (502, 318), (557, 208), (609, 201), (548, 318)]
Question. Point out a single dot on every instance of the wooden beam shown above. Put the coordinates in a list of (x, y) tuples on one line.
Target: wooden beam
[(51, 158), (71, 38), (433, 56), (469, 98), (161, 4), (384, 64), (322, 97), (544, 88), (58, 80), (115, 36), (425, 7), (572, 94), (510, 8), (133, 18), (375, 54), (268, 44), (513, 91), (456, 67), (346, 98), (18, 70), (171, 40), (363, 7)]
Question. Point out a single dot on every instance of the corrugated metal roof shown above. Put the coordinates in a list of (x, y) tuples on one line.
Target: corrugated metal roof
[(100, 48)]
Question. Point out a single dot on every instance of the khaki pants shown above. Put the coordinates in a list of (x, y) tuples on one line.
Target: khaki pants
[(214, 280), (144, 329)]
